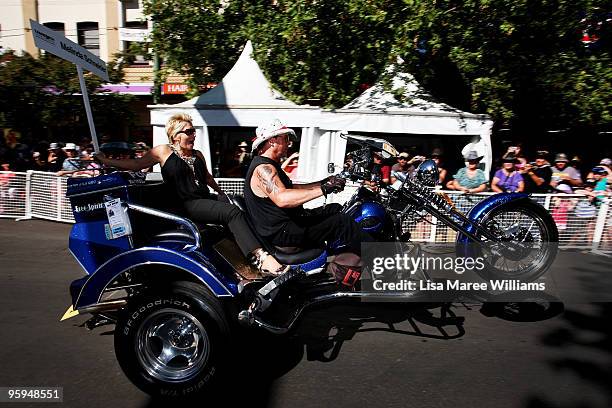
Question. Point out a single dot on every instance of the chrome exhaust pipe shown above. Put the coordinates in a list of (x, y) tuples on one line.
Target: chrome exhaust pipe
[(249, 318)]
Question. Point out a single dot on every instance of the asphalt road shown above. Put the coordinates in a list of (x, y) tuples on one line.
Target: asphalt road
[(563, 361)]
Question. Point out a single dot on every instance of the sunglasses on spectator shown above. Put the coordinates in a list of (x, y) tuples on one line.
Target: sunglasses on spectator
[(188, 132)]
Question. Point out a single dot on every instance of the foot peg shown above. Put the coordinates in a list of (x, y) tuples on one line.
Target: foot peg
[(279, 281), (265, 295)]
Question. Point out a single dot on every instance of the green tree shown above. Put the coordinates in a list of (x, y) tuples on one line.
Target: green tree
[(197, 38), (41, 98), (520, 61), (328, 51)]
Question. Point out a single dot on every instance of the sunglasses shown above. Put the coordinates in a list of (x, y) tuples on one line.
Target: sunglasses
[(286, 139), (188, 132)]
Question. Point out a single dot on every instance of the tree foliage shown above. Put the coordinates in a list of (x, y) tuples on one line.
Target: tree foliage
[(197, 38), (42, 97), (324, 50), (520, 61)]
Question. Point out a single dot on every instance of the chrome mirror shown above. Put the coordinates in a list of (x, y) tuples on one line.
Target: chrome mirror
[(427, 173)]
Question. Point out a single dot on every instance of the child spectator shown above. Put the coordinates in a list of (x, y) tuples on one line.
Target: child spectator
[(582, 225)]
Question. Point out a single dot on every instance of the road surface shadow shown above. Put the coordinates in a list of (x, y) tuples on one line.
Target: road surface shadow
[(582, 336)]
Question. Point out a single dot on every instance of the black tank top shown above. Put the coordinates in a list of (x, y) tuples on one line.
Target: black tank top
[(178, 175), (267, 217)]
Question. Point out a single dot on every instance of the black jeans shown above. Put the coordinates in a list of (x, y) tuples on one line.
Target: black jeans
[(218, 212), (321, 226)]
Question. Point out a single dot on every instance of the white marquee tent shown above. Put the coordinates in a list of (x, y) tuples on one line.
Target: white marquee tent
[(243, 98), (377, 110)]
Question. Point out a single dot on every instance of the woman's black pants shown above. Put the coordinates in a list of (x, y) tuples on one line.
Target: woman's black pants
[(218, 212)]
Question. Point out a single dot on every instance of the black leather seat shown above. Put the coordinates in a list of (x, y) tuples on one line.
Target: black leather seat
[(303, 256), (284, 255)]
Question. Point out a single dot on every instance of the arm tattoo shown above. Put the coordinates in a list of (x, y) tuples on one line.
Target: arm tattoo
[(265, 176)]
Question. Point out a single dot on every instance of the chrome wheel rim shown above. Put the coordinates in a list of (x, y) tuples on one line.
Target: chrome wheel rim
[(172, 345), (524, 227)]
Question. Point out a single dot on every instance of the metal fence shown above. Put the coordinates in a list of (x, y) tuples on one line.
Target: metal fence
[(581, 225)]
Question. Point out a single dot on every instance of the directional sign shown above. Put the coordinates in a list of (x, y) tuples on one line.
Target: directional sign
[(57, 44)]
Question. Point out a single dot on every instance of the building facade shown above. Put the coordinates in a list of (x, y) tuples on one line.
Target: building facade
[(104, 27)]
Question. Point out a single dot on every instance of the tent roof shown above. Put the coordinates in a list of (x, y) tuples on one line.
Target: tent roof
[(416, 111), (244, 86), (414, 99)]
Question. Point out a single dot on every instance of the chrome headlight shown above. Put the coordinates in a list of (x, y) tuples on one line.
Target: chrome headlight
[(427, 173)]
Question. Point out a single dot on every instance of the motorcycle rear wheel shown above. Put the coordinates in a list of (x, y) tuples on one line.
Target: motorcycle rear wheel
[(170, 342)]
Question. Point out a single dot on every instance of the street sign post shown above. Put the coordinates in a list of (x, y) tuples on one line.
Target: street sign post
[(55, 43)]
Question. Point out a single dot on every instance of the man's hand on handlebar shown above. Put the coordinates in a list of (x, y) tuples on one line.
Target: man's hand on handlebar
[(332, 184)]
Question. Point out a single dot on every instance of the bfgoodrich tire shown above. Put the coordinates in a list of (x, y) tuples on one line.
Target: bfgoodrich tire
[(171, 342)]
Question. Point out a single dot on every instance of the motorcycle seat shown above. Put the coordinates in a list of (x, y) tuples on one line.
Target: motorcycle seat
[(298, 256)]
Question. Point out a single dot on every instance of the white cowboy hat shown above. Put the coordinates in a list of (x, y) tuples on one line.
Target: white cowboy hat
[(269, 130)]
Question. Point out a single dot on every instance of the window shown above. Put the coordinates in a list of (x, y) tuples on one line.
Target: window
[(138, 59), (89, 36), (55, 26)]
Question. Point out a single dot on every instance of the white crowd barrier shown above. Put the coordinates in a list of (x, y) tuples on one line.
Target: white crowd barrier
[(42, 195)]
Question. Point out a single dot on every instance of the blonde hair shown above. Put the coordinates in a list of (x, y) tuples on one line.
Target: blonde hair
[(174, 124)]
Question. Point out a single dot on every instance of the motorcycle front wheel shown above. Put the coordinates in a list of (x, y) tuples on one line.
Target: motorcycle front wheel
[(170, 342), (526, 241)]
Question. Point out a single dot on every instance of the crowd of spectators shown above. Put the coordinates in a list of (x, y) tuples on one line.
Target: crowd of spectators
[(512, 172), (557, 174), (63, 159)]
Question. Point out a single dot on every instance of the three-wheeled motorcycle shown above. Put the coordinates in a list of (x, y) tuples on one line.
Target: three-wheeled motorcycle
[(177, 291)]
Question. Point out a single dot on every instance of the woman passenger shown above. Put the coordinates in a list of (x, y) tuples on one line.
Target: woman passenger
[(184, 169)]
